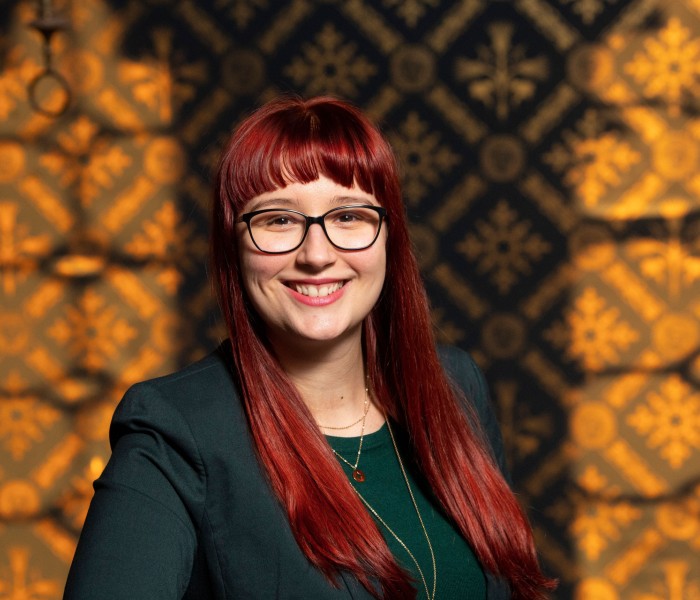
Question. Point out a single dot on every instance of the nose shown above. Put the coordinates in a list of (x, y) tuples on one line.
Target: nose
[(316, 251)]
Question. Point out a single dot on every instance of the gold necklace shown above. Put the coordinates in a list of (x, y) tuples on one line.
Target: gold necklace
[(357, 474), (420, 518), (364, 414)]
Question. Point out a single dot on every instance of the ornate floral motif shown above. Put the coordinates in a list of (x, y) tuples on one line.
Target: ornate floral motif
[(676, 584), (241, 11), (171, 242), (330, 65), (423, 155), (523, 431), (92, 330), (504, 246), (666, 259), (588, 9), (592, 160), (19, 582), (19, 250), (670, 421), (592, 332), (669, 65), (24, 422), (90, 163), (411, 11), (502, 76), (594, 519), (164, 82)]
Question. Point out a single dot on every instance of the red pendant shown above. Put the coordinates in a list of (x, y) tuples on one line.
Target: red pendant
[(358, 475)]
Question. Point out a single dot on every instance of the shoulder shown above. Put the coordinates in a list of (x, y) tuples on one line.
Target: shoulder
[(211, 373), (207, 380), (463, 371), (193, 398), (467, 378)]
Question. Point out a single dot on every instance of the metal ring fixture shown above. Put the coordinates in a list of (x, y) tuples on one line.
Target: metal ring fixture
[(47, 24), (47, 75)]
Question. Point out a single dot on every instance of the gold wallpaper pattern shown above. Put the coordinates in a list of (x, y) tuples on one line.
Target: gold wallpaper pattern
[(550, 156)]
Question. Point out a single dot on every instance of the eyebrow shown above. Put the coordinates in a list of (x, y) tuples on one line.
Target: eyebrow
[(291, 203)]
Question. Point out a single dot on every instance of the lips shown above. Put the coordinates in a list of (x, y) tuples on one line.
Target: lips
[(316, 290)]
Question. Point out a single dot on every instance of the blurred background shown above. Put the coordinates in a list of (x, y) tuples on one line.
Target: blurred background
[(550, 153)]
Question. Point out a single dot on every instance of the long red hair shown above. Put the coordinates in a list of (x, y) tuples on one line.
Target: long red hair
[(292, 140)]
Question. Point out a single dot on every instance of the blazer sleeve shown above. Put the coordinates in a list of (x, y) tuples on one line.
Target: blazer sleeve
[(139, 537)]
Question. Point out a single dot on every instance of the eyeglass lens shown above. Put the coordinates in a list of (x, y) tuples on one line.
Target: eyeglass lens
[(348, 228)]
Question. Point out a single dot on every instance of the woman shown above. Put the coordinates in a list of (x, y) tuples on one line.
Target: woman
[(328, 450)]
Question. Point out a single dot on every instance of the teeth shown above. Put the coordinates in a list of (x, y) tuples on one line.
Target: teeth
[(314, 291)]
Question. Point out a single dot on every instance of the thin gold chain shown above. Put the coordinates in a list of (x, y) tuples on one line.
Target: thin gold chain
[(420, 518), (362, 438), (364, 414)]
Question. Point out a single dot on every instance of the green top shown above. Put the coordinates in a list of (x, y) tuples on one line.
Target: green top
[(459, 574)]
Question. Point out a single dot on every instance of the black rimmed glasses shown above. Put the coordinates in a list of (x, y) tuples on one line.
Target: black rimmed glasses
[(282, 230)]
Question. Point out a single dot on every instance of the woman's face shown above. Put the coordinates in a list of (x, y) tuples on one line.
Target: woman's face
[(316, 292)]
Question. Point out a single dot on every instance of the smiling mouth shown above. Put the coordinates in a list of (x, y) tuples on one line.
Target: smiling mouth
[(316, 291)]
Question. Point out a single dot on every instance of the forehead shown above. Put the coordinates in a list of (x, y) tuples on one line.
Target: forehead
[(313, 197)]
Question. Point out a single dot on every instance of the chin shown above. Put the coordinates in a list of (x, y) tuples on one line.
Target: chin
[(318, 335)]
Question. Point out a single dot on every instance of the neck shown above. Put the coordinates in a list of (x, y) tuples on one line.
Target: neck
[(331, 380)]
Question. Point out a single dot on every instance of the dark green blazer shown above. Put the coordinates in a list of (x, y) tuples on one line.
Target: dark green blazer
[(183, 509)]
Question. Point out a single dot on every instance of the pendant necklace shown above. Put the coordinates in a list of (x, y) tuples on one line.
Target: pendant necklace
[(357, 474)]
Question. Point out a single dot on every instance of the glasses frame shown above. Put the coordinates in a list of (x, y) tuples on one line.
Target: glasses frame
[(320, 220)]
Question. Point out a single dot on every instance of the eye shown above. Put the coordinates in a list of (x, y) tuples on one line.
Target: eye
[(353, 217), (277, 220), (349, 217)]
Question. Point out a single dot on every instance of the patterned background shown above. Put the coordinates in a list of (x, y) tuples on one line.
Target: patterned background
[(551, 155)]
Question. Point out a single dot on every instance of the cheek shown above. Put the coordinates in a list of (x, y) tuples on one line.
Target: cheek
[(374, 266), (257, 270)]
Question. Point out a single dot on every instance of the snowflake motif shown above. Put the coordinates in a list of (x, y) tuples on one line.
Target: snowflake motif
[(669, 66), (599, 522), (527, 438), (411, 11), (668, 262), (85, 160), (593, 519), (241, 11), (19, 251), (592, 332), (170, 241), (23, 422), (523, 430), (670, 420), (591, 161), (165, 82), (330, 66), (675, 586), (502, 76), (504, 247), (588, 9), (92, 331), (422, 154)]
